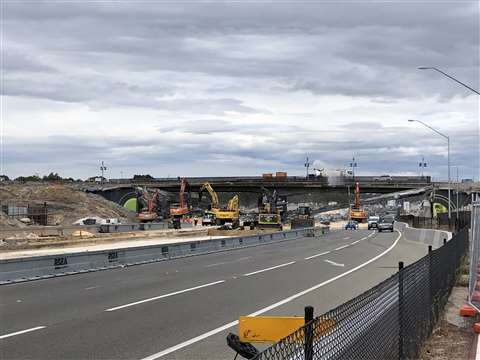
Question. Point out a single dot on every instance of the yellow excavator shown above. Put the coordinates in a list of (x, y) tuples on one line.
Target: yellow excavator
[(356, 212), (229, 215)]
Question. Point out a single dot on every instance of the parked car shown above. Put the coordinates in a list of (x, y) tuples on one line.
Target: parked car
[(383, 178), (373, 222), (386, 223), (351, 225)]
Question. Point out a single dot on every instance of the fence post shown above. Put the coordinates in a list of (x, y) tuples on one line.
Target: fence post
[(400, 310), (308, 333)]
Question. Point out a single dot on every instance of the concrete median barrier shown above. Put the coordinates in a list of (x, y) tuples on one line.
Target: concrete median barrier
[(425, 236), (42, 267)]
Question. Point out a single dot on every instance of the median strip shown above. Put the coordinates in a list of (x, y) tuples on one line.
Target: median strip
[(165, 295), (21, 332), (270, 268)]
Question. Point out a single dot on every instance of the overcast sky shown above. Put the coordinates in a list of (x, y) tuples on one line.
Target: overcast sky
[(237, 88)]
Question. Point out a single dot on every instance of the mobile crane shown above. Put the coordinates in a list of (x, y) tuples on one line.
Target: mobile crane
[(177, 211), (356, 212), (228, 215)]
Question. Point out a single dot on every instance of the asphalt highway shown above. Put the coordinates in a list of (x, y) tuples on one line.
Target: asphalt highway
[(161, 310)]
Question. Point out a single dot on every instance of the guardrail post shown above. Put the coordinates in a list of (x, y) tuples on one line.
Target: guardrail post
[(308, 333), (400, 310)]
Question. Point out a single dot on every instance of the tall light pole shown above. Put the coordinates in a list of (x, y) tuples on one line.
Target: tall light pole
[(353, 165), (448, 76), (307, 165), (448, 152)]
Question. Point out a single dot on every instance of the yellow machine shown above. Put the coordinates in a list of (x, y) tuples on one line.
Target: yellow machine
[(228, 215), (356, 212)]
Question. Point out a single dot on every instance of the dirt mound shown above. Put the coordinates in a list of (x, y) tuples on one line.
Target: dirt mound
[(65, 203)]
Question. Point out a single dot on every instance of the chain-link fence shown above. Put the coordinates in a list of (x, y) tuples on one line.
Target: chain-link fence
[(389, 321), (474, 283)]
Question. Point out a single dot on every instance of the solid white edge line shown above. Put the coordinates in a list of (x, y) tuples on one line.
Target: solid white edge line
[(270, 268), (270, 307), (164, 296), (341, 247), (316, 255), (21, 332)]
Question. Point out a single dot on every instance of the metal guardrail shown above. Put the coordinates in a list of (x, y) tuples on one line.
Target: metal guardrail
[(43, 267), (389, 321)]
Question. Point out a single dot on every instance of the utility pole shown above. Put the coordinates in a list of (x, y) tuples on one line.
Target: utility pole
[(103, 168), (307, 165), (422, 165), (353, 165)]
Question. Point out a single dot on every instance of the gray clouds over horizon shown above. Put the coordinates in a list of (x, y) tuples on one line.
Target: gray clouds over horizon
[(236, 88)]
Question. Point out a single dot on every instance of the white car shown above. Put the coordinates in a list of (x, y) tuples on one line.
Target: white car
[(383, 178)]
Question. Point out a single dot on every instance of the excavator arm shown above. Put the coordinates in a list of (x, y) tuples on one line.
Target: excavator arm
[(213, 195), (233, 203)]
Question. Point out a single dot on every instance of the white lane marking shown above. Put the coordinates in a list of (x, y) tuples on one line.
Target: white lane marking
[(341, 247), (165, 295), (346, 238), (21, 332), (92, 287), (356, 242), (270, 307), (334, 263), (229, 262), (316, 255), (270, 268)]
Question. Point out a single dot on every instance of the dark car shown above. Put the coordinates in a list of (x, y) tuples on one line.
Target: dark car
[(351, 225), (386, 223)]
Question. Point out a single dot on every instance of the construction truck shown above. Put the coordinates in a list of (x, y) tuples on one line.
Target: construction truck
[(182, 208), (303, 218), (152, 205), (272, 209), (225, 216), (356, 212)]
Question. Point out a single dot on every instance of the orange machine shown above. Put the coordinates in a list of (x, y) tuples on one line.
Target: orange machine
[(180, 209), (356, 212), (149, 212)]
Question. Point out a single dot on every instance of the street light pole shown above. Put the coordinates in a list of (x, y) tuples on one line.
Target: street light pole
[(448, 157), (448, 76)]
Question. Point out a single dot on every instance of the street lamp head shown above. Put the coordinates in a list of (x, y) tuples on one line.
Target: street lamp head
[(424, 68), (410, 120)]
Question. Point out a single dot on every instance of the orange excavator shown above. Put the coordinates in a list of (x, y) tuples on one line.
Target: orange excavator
[(182, 208), (356, 212), (148, 206)]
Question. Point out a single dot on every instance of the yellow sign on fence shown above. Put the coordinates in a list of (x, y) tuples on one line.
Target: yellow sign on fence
[(274, 328), (267, 328)]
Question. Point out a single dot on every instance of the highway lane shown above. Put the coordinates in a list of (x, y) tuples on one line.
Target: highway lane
[(76, 296), (78, 325)]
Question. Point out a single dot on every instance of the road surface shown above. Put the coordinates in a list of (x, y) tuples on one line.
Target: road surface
[(182, 309)]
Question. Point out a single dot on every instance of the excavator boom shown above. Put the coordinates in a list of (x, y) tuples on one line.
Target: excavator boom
[(213, 195)]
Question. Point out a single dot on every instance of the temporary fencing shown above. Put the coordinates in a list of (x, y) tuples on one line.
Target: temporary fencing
[(389, 321), (474, 283)]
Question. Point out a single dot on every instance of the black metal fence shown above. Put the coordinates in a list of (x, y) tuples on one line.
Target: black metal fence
[(390, 321)]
